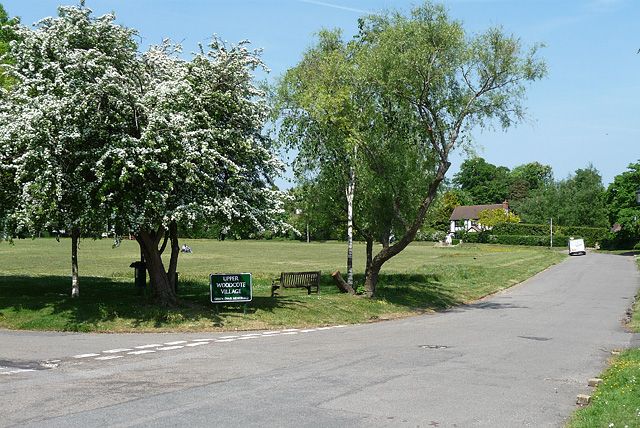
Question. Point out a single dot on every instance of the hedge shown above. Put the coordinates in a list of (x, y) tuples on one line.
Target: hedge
[(530, 240), (591, 235)]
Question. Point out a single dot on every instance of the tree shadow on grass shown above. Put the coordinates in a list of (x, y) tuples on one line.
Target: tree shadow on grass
[(414, 291), (44, 303)]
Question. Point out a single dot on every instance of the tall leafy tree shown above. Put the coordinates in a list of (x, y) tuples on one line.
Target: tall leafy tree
[(318, 103), (75, 76), (450, 82), (420, 85), (622, 206), (485, 182), (200, 156), (528, 177), (578, 200)]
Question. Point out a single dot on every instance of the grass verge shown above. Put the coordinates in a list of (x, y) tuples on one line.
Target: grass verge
[(35, 284)]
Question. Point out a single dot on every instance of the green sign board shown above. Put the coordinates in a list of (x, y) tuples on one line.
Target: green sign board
[(230, 287)]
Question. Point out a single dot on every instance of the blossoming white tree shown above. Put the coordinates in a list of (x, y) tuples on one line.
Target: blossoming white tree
[(95, 133), (74, 76), (200, 156)]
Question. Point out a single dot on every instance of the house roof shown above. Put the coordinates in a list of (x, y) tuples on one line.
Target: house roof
[(471, 212)]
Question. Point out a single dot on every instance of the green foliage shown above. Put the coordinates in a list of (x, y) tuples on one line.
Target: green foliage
[(486, 183), (528, 177), (7, 34), (621, 201), (487, 237), (491, 218), (440, 211), (578, 200), (591, 235)]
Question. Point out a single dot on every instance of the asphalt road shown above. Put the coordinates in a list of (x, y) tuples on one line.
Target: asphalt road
[(518, 358)]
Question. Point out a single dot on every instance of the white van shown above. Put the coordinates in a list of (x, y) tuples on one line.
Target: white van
[(576, 247)]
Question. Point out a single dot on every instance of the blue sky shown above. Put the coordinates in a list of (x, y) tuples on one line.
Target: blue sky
[(585, 111)]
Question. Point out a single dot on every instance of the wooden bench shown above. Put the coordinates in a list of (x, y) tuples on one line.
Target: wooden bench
[(306, 280)]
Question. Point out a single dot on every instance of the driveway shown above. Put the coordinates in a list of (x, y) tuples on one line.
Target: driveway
[(518, 358)]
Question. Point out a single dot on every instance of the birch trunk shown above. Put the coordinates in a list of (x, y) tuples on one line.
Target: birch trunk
[(349, 193), (75, 279)]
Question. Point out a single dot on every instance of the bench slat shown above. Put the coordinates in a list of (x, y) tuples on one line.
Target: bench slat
[(306, 280)]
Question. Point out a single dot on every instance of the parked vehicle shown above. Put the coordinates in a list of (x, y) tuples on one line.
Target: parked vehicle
[(576, 247)]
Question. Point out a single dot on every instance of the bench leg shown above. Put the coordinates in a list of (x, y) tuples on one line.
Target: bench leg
[(273, 289)]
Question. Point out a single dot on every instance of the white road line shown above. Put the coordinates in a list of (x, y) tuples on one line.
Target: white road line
[(169, 348), (177, 342), (325, 328), (339, 326), (110, 357), (85, 355), (154, 345), (308, 330), (226, 340), (115, 351), (18, 371), (197, 344), (228, 337), (290, 332), (147, 351), (252, 335), (202, 340), (249, 337)]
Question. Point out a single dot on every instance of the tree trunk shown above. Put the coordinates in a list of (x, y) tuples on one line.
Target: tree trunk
[(75, 279), (164, 288), (369, 241), (349, 193), (371, 278), (175, 251), (342, 284)]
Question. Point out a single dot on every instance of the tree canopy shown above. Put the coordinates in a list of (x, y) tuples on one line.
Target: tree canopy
[(622, 205), (421, 84)]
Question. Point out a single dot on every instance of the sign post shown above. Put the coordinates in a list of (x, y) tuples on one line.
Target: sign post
[(231, 288)]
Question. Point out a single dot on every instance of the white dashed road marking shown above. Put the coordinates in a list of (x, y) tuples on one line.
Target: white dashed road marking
[(14, 371), (115, 351), (179, 344)]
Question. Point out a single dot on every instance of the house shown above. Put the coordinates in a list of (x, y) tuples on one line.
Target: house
[(465, 217)]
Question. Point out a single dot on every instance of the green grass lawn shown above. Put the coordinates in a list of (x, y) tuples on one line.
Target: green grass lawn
[(35, 284), (616, 402)]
